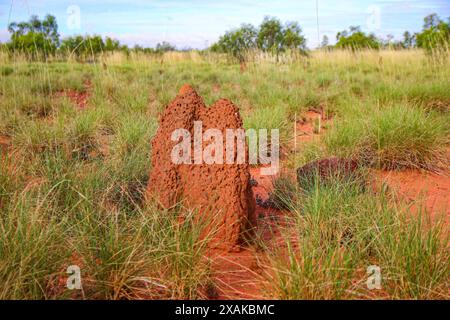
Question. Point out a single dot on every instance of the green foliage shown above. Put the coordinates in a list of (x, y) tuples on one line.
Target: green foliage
[(408, 40), (88, 45), (271, 36), (324, 42), (165, 47), (237, 42), (435, 36), (292, 36), (35, 37), (337, 230), (39, 38), (356, 39)]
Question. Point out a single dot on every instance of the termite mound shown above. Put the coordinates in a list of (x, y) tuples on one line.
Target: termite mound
[(219, 192)]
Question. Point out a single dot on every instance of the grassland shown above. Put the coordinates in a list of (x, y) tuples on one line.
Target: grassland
[(72, 177)]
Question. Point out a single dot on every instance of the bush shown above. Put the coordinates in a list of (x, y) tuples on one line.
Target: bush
[(393, 136), (356, 39), (435, 36)]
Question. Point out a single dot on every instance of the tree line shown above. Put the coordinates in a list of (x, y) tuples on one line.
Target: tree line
[(40, 38), (273, 36), (435, 34)]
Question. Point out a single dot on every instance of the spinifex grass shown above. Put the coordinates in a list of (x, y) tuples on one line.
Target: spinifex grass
[(392, 136), (73, 180), (338, 230)]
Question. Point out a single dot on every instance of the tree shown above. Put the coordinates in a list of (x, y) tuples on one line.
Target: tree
[(408, 40), (35, 24), (292, 37), (50, 28), (35, 36), (431, 21), (341, 34), (237, 42), (435, 35), (324, 42), (83, 47), (165, 47), (356, 39), (270, 36), (111, 44), (354, 29)]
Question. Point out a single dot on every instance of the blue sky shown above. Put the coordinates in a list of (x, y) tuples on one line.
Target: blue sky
[(198, 23)]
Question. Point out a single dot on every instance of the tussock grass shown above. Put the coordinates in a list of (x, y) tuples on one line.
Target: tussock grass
[(337, 230), (151, 255), (394, 136), (123, 251)]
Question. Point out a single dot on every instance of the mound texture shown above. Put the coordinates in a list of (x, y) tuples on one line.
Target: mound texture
[(220, 192), (327, 169)]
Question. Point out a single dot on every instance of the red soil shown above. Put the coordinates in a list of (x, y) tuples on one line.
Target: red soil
[(308, 129), (328, 168), (4, 143), (80, 98), (421, 189), (430, 190), (238, 274)]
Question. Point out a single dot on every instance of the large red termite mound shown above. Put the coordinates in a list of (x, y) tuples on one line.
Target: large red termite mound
[(220, 192)]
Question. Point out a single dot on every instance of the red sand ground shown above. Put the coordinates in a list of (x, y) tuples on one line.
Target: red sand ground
[(304, 128), (4, 143), (238, 274), (421, 189), (80, 98)]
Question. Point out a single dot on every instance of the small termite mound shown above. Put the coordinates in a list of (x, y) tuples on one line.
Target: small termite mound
[(220, 193)]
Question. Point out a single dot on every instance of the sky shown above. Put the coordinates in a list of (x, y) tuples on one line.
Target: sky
[(199, 23)]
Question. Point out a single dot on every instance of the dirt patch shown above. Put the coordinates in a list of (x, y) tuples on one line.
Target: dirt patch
[(428, 190), (268, 216), (5, 143), (440, 105), (237, 275), (79, 98), (327, 169), (310, 127), (243, 67), (221, 192)]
